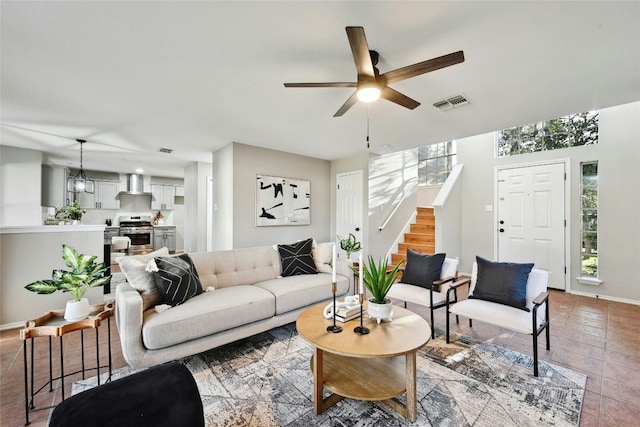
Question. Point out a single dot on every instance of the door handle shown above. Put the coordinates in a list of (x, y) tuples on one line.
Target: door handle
[(357, 228), (501, 222), (502, 230)]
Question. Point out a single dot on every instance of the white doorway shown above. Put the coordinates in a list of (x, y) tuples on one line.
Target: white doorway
[(349, 205), (530, 215)]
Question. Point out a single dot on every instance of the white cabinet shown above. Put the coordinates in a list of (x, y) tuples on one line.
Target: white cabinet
[(180, 190), (162, 197), (105, 196), (164, 236)]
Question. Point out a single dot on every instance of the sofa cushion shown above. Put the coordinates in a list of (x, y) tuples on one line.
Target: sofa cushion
[(502, 282), (177, 279), (141, 280), (323, 256), (298, 291), (422, 269), (207, 314), (296, 258)]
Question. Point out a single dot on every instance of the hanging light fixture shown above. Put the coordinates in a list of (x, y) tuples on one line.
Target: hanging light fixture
[(79, 183)]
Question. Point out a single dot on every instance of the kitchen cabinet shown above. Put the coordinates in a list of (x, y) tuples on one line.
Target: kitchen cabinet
[(162, 197), (180, 190), (54, 183), (110, 232), (164, 235), (104, 197)]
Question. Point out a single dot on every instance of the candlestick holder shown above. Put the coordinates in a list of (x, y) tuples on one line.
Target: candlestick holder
[(361, 330), (334, 328)]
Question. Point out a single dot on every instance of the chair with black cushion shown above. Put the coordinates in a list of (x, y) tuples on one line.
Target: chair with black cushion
[(424, 281), (164, 395), (509, 295)]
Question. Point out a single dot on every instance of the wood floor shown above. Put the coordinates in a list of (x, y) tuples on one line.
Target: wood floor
[(597, 337)]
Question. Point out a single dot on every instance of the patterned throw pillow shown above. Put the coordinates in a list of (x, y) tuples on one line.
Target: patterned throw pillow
[(296, 258), (177, 279), (502, 282), (422, 270)]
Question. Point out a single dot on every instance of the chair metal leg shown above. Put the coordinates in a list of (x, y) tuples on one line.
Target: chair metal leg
[(535, 353), (433, 329), (405, 304)]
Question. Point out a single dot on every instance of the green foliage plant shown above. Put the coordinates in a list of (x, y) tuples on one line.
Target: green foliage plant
[(349, 244), (378, 280), (85, 273), (74, 211)]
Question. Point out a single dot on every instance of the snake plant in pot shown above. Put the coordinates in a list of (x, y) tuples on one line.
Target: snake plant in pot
[(85, 273), (378, 279)]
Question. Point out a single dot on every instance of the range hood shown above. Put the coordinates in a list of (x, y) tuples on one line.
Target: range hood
[(134, 186)]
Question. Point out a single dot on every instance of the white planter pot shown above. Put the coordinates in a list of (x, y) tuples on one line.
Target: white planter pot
[(77, 310), (380, 312)]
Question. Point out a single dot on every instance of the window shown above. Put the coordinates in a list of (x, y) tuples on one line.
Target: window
[(435, 162), (569, 131), (589, 210)]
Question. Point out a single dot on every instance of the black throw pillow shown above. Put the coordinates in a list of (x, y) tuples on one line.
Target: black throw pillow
[(296, 258), (502, 282), (422, 270), (177, 279)]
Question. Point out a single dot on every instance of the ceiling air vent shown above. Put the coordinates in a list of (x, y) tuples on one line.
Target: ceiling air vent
[(452, 102), (166, 150)]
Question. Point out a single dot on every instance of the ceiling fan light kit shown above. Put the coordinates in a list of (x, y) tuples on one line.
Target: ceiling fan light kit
[(79, 183), (370, 83)]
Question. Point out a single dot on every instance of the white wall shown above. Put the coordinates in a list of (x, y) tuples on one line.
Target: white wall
[(20, 183), (618, 154), (195, 210)]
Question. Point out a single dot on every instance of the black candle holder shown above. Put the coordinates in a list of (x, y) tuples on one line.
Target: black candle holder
[(334, 328), (361, 330)]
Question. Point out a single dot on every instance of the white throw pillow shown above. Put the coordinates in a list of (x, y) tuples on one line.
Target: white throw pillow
[(144, 282), (322, 255)]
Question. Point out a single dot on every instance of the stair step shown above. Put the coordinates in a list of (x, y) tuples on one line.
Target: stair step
[(422, 228), (425, 219), (425, 211), (419, 238), (425, 249)]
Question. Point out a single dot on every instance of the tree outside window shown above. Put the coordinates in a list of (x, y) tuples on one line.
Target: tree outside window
[(568, 131)]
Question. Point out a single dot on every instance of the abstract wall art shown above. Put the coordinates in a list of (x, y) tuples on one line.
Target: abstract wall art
[(282, 201)]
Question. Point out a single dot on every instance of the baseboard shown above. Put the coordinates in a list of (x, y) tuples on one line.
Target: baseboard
[(604, 297)]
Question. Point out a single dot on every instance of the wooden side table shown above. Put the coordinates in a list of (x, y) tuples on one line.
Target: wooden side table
[(53, 324)]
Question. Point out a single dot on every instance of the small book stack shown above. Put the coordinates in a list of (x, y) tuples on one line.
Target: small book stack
[(345, 314)]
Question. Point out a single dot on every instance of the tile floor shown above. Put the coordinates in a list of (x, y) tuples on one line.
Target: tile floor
[(597, 337)]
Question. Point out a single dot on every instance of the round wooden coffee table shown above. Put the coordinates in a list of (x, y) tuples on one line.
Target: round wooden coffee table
[(378, 366)]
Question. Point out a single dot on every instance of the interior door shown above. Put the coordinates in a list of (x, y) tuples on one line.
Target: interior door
[(531, 218), (349, 205)]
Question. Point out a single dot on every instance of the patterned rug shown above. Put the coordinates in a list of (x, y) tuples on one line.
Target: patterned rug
[(266, 380)]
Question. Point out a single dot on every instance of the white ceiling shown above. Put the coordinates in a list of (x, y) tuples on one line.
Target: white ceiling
[(131, 77)]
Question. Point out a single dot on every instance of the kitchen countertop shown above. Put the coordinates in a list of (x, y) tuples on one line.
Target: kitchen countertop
[(49, 228)]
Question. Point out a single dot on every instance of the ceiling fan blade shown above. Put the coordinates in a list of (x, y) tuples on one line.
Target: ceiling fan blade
[(360, 51), (348, 104), (423, 67), (400, 99), (334, 84)]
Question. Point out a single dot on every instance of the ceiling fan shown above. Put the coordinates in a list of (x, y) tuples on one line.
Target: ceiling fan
[(371, 84)]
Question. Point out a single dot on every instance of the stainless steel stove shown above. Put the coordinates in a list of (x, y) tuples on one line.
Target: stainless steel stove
[(139, 229)]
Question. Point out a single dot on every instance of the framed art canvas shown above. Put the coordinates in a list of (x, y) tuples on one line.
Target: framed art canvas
[(282, 201)]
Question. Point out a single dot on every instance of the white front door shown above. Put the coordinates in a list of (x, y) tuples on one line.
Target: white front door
[(531, 218), (349, 205)]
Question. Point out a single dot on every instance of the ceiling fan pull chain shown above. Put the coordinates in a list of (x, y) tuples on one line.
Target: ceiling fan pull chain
[(367, 126)]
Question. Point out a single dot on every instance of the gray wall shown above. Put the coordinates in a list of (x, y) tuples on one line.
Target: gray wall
[(618, 154), (235, 196)]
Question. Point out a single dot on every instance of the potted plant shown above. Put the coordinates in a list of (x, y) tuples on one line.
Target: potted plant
[(349, 245), (85, 274), (74, 211), (378, 279)]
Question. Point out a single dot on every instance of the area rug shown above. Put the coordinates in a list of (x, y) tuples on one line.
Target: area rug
[(266, 380)]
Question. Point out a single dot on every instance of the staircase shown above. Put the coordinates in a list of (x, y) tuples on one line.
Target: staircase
[(421, 237)]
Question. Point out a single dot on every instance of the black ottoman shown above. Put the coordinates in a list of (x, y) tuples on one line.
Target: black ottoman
[(165, 395)]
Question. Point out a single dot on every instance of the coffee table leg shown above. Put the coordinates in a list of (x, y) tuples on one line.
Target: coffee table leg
[(411, 386), (318, 381)]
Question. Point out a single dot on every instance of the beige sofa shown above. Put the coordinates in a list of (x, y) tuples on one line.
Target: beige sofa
[(248, 297)]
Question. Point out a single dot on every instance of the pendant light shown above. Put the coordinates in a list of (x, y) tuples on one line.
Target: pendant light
[(79, 183)]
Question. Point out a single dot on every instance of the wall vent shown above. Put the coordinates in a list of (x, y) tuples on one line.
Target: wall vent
[(452, 102), (166, 150)]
